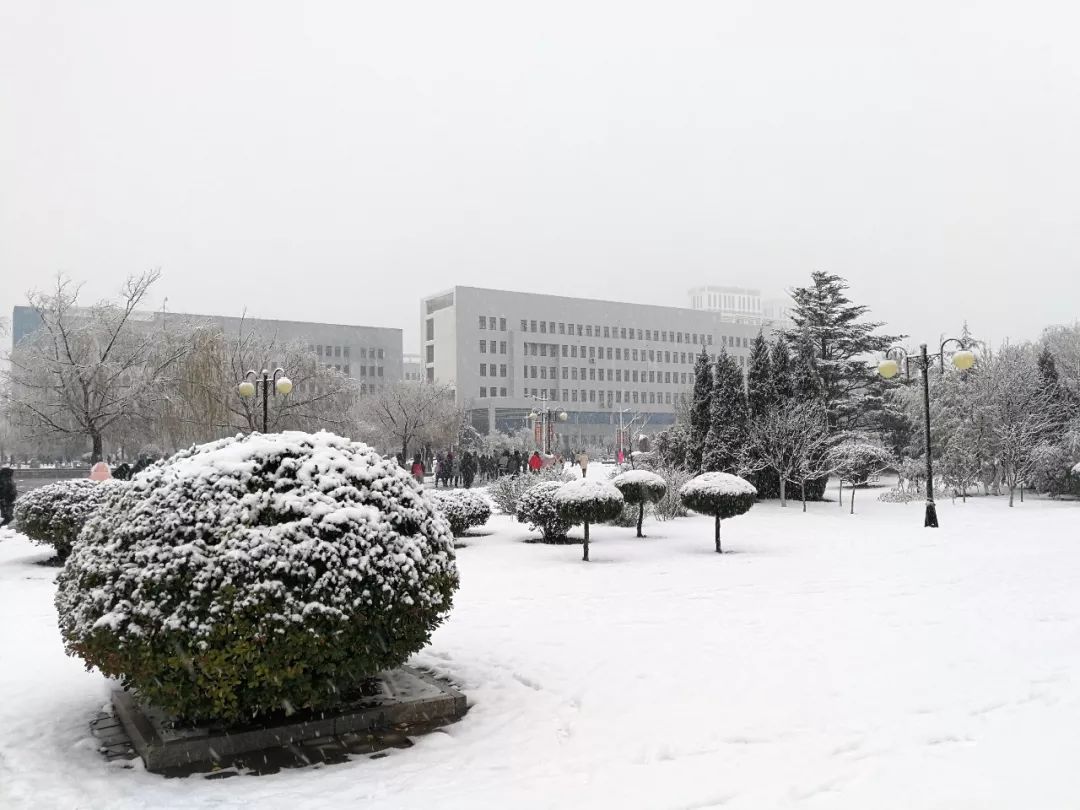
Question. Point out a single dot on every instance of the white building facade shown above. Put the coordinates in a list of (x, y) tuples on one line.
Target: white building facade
[(501, 351), (742, 305)]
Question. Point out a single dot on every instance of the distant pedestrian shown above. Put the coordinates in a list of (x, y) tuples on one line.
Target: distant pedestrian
[(8, 493), (418, 469), (455, 471), (535, 462), (468, 469), (504, 462)]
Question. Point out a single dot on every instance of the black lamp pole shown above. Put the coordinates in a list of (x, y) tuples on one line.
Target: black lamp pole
[(923, 360), (267, 381)]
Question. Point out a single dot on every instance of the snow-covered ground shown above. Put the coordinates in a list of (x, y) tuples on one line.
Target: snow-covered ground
[(827, 661)]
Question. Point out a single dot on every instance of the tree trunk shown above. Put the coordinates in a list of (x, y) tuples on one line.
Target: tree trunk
[(585, 556), (804, 495), (841, 493), (1021, 493), (1012, 490), (405, 451), (96, 451), (783, 491), (640, 518), (718, 549), (852, 496)]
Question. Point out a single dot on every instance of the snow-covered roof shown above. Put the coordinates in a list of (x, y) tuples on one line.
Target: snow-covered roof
[(718, 483)]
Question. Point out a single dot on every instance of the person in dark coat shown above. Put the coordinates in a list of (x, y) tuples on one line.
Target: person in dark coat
[(468, 469), (8, 494)]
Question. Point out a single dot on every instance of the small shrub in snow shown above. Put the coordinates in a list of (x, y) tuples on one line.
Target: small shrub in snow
[(671, 506), (506, 490), (253, 574), (640, 487), (898, 495), (537, 508), (719, 494), (53, 515), (588, 500), (463, 508)]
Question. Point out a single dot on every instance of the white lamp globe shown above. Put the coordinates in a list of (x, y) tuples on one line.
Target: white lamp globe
[(283, 386), (888, 368), (963, 360), (562, 416), (246, 389)]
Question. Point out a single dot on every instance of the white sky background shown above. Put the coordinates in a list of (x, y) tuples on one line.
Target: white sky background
[(335, 162)]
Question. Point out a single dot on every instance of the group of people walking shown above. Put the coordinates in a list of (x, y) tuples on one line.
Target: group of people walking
[(453, 470)]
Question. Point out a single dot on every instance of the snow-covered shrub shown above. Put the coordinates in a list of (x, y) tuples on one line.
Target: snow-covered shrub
[(506, 490), (857, 460), (671, 506), (537, 508), (53, 515), (898, 494), (640, 487), (719, 494), (258, 573), (463, 508), (588, 500)]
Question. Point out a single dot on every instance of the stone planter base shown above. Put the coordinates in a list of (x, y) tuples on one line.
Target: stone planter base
[(407, 697)]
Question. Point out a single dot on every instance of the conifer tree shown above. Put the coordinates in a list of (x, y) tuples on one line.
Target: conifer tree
[(760, 382), (841, 341), (805, 379), (782, 370), (700, 407), (726, 438)]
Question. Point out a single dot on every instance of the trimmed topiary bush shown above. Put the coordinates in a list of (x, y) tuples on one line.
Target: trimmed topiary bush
[(719, 494), (537, 508), (640, 487), (258, 573), (53, 515), (463, 508), (588, 500)]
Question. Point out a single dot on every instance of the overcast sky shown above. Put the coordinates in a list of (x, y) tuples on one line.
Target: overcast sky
[(335, 162)]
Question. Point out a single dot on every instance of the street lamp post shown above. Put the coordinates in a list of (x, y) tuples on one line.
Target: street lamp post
[(622, 439), (249, 386), (887, 368), (546, 424)]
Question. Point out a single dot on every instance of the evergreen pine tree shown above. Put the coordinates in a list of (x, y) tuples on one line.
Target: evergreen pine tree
[(726, 437), (782, 370), (841, 341), (700, 407), (760, 383), (805, 379)]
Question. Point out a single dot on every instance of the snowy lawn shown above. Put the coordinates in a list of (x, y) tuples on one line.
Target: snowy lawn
[(827, 661)]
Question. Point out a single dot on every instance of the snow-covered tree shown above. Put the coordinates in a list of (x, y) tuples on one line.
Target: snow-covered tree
[(725, 441), (588, 500), (856, 460), (761, 394), (412, 414), (640, 487), (87, 370), (786, 437), (842, 341), (719, 494), (700, 410)]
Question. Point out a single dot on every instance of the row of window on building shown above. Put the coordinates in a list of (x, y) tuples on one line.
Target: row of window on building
[(343, 351), (592, 396), (490, 323), (362, 371)]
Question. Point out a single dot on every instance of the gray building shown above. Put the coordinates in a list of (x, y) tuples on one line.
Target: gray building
[(592, 359), (372, 355), (743, 305)]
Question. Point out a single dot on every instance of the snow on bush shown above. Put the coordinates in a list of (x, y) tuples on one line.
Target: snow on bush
[(53, 515), (640, 487), (463, 508), (719, 494), (257, 573), (506, 490), (670, 506), (588, 500), (537, 508)]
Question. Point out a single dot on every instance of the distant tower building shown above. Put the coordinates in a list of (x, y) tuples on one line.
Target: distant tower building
[(741, 305)]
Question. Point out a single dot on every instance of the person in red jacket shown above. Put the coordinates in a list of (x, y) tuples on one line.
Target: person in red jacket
[(535, 462), (418, 469)]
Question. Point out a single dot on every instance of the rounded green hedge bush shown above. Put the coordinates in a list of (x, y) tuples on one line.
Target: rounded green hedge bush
[(640, 487), (258, 574), (537, 508), (463, 508), (53, 515)]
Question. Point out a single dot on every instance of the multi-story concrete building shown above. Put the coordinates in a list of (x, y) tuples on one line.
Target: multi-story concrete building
[(412, 368), (592, 359), (742, 305), (369, 354)]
